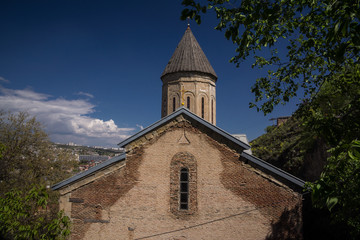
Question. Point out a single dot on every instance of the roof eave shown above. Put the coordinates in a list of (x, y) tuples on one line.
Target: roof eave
[(279, 173), (211, 75)]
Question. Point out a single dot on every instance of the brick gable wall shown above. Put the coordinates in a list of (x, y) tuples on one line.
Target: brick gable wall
[(232, 200)]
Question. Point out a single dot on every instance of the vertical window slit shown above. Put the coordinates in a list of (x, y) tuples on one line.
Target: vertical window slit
[(202, 107), (174, 101), (184, 189), (212, 111), (188, 103)]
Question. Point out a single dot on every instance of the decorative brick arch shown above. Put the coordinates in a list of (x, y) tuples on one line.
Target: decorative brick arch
[(179, 161), (212, 110), (203, 106), (191, 95), (173, 107)]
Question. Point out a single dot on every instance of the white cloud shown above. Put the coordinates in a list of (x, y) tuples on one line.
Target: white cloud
[(64, 120), (23, 94), (2, 79), (140, 126), (85, 94)]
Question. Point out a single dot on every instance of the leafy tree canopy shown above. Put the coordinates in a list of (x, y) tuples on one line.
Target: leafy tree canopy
[(313, 47), (334, 113), (338, 187), (280, 147), (331, 122), (28, 157), (27, 216), (321, 38)]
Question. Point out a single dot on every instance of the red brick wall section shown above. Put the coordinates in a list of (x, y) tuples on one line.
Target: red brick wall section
[(280, 205), (101, 195)]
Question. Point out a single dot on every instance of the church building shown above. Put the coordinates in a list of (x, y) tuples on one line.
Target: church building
[(189, 80), (183, 177)]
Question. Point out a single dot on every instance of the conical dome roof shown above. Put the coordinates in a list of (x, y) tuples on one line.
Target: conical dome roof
[(189, 57)]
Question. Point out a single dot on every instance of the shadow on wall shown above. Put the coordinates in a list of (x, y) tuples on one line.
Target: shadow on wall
[(287, 227), (316, 225)]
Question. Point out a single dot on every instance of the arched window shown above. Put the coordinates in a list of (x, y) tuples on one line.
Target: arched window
[(164, 107), (174, 101), (188, 102), (184, 189), (202, 108), (183, 185)]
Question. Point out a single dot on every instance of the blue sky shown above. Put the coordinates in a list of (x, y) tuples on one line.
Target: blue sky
[(90, 70)]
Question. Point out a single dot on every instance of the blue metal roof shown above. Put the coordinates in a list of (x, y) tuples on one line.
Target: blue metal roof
[(272, 169), (186, 112), (92, 170)]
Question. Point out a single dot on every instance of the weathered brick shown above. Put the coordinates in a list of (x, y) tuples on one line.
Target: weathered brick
[(229, 199)]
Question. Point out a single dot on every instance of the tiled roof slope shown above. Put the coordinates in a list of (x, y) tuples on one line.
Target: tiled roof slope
[(189, 57)]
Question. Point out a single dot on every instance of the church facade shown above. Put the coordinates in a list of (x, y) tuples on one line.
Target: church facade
[(183, 177)]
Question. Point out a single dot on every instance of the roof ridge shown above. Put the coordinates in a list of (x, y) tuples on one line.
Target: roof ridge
[(185, 111)]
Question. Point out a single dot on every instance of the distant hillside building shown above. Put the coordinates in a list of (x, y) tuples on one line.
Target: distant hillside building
[(280, 120), (96, 158), (183, 177)]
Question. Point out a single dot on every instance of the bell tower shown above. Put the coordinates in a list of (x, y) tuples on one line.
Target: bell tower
[(189, 80)]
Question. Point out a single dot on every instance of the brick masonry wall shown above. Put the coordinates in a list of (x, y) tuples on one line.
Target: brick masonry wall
[(91, 203), (196, 86), (231, 199)]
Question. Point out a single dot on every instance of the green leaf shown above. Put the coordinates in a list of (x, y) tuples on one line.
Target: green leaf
[(331, 202)]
